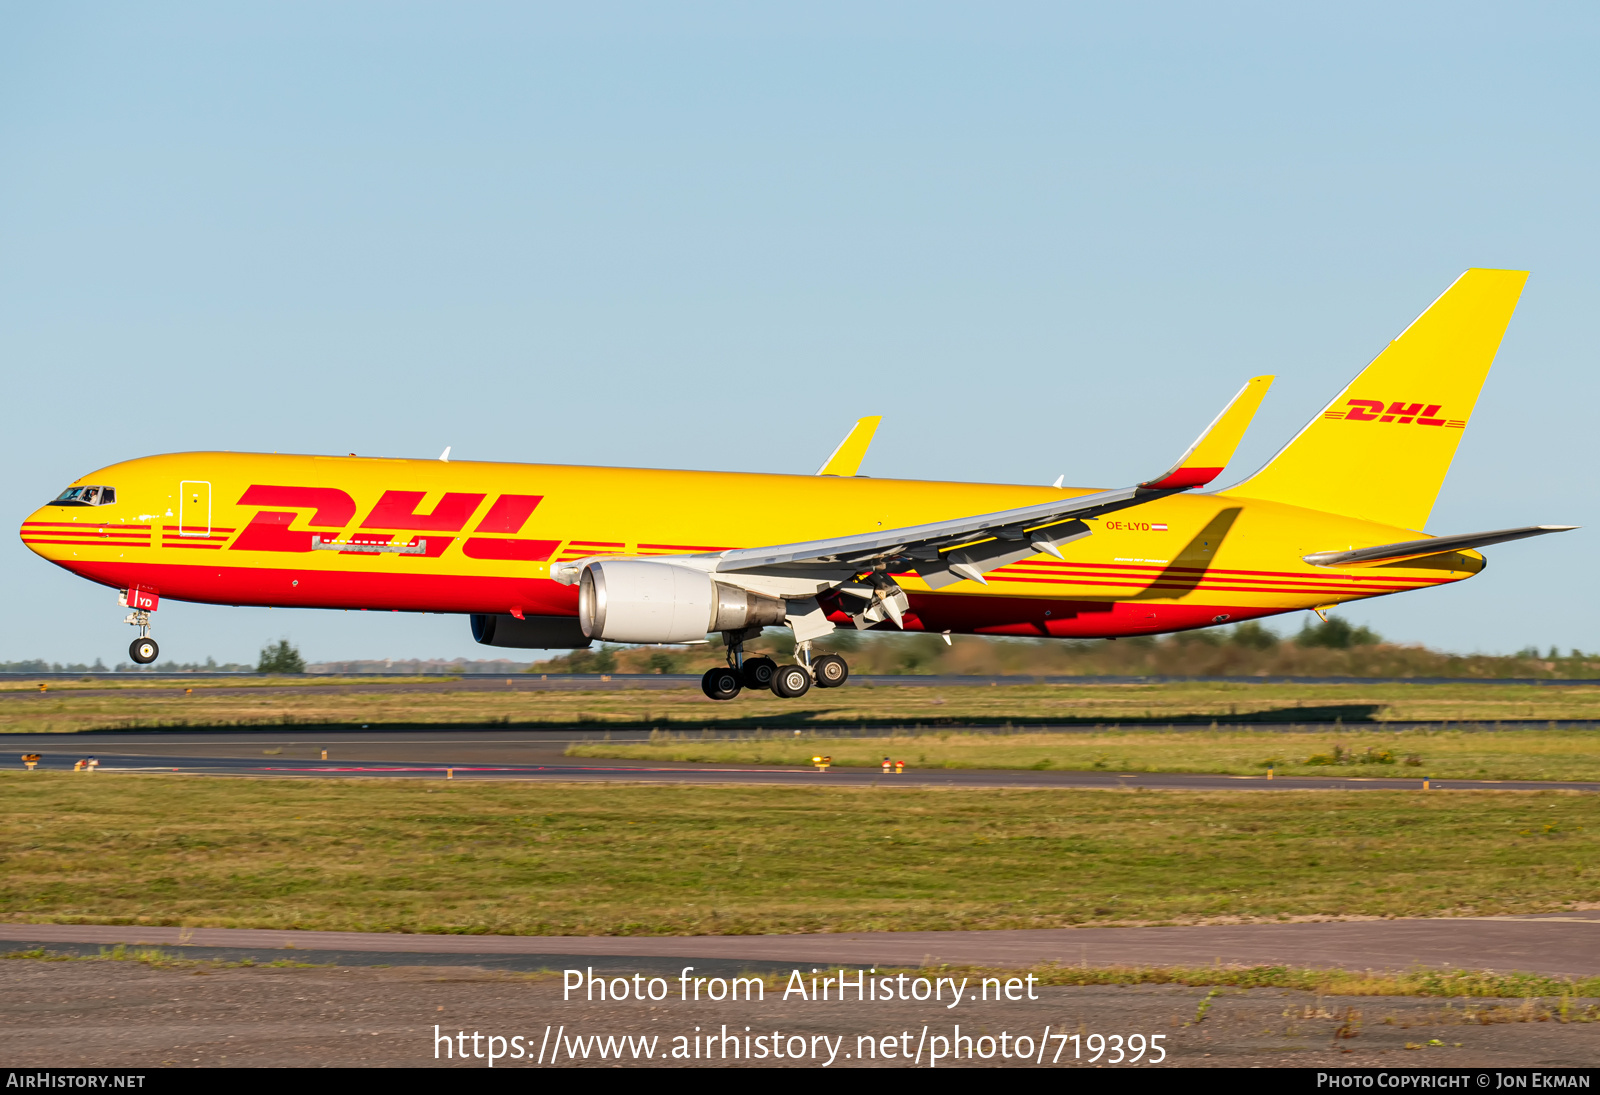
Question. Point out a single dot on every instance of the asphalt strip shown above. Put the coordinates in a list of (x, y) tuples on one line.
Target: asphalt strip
[(1559, 945)]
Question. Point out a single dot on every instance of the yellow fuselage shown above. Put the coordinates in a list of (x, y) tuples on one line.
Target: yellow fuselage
[(256, 529)]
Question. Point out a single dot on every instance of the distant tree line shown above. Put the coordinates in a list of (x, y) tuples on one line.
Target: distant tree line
[(39, 665), (1321, 648)]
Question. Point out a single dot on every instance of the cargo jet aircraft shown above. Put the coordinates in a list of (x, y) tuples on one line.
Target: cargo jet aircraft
[(551, 556)]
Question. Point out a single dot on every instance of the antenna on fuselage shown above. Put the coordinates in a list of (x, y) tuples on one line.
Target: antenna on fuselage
[(445, 456)]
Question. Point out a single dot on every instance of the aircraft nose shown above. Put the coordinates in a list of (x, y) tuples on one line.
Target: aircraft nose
[(35, 532)]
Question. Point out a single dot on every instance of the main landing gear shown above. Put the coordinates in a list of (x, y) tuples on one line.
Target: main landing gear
[(761, 672)]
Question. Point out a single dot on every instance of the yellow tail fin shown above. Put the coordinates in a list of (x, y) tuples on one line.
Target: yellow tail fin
[(1381, 449)]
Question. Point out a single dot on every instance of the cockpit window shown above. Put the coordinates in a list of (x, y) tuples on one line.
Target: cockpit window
[(86, 496)]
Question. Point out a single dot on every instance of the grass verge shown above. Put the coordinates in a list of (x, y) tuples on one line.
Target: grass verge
[(566, 859), (157, 958), (857, 705), (1568, 998), (1431, 753)]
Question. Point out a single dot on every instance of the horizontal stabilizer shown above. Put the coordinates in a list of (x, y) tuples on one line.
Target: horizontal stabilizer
[(1435, 545), (1215, 446)]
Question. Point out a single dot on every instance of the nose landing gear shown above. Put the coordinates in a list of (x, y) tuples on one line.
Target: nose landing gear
[(142, 650)]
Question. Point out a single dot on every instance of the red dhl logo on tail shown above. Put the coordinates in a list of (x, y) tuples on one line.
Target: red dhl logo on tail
[(1374, 410), (333, 509)]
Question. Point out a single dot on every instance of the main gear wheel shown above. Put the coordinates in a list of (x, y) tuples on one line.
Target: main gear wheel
[(758, 672), (831, 670), (720, 683)]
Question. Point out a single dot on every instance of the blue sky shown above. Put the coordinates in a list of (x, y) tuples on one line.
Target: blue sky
[(1040, 239)]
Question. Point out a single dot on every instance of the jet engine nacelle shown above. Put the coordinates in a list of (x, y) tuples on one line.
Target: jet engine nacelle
[(638, 601)]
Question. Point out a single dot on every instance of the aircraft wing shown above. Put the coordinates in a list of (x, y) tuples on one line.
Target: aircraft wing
[(945, 552), (1434, 545)]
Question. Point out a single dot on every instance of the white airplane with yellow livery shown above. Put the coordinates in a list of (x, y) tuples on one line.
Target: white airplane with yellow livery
[(552, 556)]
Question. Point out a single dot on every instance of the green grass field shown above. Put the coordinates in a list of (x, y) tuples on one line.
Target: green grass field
[(1436, 754), (247, 702), (617, 859)]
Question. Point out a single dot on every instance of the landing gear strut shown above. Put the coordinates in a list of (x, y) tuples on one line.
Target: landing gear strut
[(761, 672), (142, 650), (753, 672), (825, 671), (725, 682)]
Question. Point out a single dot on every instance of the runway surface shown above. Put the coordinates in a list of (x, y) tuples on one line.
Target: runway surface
[(118, 684), (533, 756), (1560, 945), (734, 719), (614, 682)]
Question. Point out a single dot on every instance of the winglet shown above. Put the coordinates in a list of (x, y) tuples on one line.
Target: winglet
[(1214, 448), (846, 459)]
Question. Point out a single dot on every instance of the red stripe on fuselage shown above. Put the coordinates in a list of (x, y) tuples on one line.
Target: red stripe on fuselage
[(1310, 584), (81, 531), (1163, 568), (76, 524), (235, 585), (1217, 587), (89, 543)]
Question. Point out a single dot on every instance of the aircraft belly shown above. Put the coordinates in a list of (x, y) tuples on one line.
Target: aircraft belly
[(288, 587), (1040, 617)]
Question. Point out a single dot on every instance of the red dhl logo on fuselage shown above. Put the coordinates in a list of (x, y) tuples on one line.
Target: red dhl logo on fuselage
[(333, 509), (1375, 410)]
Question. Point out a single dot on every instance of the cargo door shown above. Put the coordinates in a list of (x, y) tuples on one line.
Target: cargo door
[(194, 508)]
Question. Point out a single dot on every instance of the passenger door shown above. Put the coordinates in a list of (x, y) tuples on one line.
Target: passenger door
[(194, 508)]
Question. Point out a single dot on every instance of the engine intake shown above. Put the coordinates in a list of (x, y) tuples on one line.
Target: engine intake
[(637, 601)]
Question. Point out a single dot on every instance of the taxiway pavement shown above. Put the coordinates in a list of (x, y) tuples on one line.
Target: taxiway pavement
[(539, 755), (1557, 945)]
